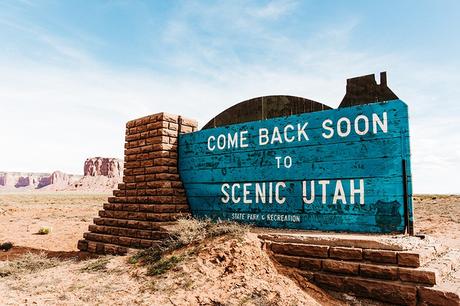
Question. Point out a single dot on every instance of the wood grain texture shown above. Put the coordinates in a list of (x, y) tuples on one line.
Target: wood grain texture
[(375, 158)]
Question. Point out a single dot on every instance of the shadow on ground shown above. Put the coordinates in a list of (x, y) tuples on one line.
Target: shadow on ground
[(17, 251)]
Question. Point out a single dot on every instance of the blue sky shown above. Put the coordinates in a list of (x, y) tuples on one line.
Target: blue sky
[(73, 72)]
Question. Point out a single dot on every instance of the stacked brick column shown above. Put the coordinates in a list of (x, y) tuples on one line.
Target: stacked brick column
[(151, 195)]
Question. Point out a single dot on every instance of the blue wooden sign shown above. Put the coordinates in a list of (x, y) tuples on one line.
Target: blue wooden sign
[(345, 169)]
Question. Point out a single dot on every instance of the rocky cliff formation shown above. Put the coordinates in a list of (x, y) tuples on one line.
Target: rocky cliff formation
[(110, 167), (100, 175), (22, 180)]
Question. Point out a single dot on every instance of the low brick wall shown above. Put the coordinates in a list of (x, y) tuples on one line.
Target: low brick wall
[(151, 194), (390, 276)]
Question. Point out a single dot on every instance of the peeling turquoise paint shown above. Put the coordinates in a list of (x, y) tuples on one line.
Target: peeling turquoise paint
[(368, 163)]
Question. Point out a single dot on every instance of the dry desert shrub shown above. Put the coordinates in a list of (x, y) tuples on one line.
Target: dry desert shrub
[(97, 265), (28, 263), (186, 232), (189, 231)]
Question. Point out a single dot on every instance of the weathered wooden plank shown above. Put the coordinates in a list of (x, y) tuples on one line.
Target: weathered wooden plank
[(373, 186), (325, 222), (377, 167), (390, 147), (396, 115)]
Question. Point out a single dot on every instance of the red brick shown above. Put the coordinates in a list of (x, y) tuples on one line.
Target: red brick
[(330, 281), (177, 184), (147, 163), (409, 259), (146, 148), (386, 291), (139, 178), (167, 176), (138, 171), (120, 193), (346, 253), (157, 140), (186, 129), (383, 256), (342, 267), (189, 122), (310, 264), (431, 296), (379, 271), (160, 184), (300, 249), (165, 162), (170, 117), (417, 276), (290, 261)]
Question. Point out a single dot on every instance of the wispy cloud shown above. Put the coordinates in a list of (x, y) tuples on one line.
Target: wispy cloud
[(70, 103), (274, 9)]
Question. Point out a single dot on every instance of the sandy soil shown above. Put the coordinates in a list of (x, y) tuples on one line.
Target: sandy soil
[(199, 280), (439, 217), (68, 215)]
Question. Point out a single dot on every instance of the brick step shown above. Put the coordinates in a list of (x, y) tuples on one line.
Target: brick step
[(142, 216), (351, 241), (412, 259), (135, 224), (386, 291), (381, 290), (121, 240), (101, 248), (142, 207), (128, 232), (443, 295), (363, 269)]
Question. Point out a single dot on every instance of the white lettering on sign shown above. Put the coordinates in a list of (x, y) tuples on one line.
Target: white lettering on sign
[(271, 192), (228, 141), (340, 193), (343, 127), (330, 192), (256, 191)]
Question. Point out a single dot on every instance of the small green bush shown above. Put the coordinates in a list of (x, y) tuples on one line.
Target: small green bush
[(44, 230)]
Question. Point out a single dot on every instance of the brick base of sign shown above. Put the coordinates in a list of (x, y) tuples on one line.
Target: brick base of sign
[(387, 275), (151, 196)]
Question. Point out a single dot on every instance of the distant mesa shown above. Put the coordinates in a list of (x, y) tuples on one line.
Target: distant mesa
[(110, 167), (101, 174)]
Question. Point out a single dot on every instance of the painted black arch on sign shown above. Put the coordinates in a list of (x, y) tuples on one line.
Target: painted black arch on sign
[(360, 90), (262, 108)]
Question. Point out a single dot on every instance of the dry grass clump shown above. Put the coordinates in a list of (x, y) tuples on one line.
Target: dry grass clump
[(185, 232), (98, 265), (189, 231), (28, 263)]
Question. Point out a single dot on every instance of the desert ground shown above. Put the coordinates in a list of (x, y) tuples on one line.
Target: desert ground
[(47, 269)]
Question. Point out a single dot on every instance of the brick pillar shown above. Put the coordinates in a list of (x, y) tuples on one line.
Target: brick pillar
[(151, 195)]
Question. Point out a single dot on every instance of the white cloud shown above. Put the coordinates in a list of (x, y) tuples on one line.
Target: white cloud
[(61, 109), (275, 9)]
